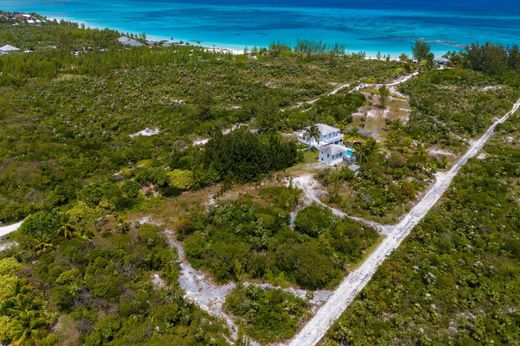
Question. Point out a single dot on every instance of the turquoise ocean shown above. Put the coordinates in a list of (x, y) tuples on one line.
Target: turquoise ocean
[(372, 26)]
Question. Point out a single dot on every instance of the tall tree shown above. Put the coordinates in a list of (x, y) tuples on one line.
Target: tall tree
[(383, 96), (313, 132), (421, 50)]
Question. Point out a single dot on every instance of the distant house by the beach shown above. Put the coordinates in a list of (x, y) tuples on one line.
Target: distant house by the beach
[(27, 18), (442, 61), (127, 41), (22, 16), (8, 49), (334, 154), (327, 135)]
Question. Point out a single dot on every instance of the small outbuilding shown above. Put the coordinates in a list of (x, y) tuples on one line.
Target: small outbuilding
[(354, 168)]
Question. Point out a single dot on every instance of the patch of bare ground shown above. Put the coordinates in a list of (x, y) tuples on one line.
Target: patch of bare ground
[(66, 331)]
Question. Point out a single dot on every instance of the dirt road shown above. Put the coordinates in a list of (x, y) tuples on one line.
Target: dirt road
[(316, 328)]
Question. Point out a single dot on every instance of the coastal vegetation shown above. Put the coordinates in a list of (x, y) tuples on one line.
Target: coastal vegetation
[(68, 118), (96, 134), (96, 288)]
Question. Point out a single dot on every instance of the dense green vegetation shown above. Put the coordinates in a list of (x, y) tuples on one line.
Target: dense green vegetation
[(98, 288), (245, 156), (72, 165), (495, 60), (248, 239), (53, 34), (455, 105), (268, 315), (24, 319), (455, 279), (67, 118)]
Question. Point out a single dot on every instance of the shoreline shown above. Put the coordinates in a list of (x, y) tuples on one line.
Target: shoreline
[(90, 25), (239, 49)]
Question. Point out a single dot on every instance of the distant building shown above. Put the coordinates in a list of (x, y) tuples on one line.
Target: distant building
[(127, 41), (334, 154), (22, 16), (8, 49), (327, 135), (442, 61)]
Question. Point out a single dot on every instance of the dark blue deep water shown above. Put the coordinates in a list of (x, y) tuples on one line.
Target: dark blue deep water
[(366, 25)]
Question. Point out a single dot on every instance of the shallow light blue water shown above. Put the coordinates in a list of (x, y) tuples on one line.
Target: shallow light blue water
[(364, 25)]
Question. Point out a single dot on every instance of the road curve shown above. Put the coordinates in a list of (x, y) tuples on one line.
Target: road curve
[(345, 293)]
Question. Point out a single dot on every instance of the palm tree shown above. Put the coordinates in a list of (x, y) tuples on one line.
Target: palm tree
[(27, 327), (313, 132), (68, 231), (26, 323), (366, 149)]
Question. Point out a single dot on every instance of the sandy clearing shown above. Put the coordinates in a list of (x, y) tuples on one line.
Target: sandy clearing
[(439, 151), (147, 132)]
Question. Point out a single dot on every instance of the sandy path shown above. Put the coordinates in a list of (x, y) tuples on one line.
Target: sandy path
[(211, 297), (316, 328), (392, 85), (334, 91), (5, 230), (311, 194)]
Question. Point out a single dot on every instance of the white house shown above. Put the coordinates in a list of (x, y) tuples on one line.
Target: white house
[(328, 135), (334, 154), (8, 49), (127, 41)]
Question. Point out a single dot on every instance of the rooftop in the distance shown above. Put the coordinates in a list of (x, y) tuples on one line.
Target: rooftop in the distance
[(129, 42)]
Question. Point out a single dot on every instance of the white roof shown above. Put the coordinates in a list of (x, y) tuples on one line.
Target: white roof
[(334, 149), (130, 42), (9, 48), (326, 129)]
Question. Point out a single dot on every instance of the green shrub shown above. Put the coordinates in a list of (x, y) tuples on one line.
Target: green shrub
[(268, 315)]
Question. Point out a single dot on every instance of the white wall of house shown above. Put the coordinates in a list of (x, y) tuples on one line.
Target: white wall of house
[(331, 160)]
